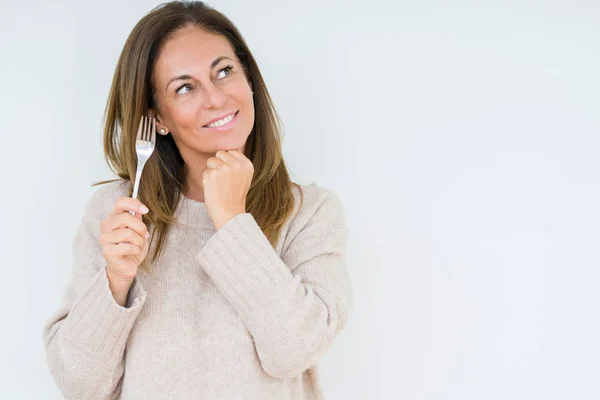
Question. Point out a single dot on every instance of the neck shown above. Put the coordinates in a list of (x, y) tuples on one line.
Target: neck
[(194, 189)]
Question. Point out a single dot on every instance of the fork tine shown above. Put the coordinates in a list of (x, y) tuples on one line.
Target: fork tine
[(153, 137), (146, 129), (140, 128)]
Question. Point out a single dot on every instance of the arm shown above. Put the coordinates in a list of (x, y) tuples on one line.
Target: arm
[(293, 306), (85, 338)]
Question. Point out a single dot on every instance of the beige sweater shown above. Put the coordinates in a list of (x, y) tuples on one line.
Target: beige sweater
[(222, 316)]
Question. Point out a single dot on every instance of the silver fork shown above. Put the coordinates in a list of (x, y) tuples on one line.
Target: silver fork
[(144, 146)]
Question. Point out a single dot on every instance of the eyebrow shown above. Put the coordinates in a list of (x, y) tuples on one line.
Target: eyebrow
[(212, 65)]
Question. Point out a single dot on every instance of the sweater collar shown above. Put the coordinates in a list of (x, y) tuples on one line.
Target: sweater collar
[(192, 213)]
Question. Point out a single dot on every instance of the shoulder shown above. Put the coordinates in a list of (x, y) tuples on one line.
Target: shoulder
[(316, 206), (313, 198), (318, 220), (105, 194), (102, 200)]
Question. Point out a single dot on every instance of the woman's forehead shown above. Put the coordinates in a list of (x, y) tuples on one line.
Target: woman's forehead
[(191, 50), (194, 44)]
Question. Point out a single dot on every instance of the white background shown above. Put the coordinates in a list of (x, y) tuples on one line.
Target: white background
[(461, 136)]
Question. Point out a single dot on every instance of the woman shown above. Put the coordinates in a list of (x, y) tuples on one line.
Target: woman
[(228, 281)]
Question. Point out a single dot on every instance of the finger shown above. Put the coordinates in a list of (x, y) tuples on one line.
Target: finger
[(125, 235), (206, 175), (122, 249), (238, 154), (125, 204), (215, 163), (124, 220), (137, 216), (127, 220), (227, 157), (241, 159)]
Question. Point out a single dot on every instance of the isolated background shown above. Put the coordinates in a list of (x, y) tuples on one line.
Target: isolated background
[(461, 136)]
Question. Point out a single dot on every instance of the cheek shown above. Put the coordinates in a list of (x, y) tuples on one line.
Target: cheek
[(251, 106), (184, 112), (249, 109), (242, 92), (247, 98)]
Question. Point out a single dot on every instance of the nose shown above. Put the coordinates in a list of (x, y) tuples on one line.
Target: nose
[(214, 97)]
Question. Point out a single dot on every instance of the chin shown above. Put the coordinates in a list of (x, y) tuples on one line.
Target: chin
[(231, 142)]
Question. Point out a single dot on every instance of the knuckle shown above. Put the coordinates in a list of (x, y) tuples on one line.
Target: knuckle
[(117, 220), (124, 249)]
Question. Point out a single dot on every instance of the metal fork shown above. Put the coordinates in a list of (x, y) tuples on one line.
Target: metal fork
[(144, 146)]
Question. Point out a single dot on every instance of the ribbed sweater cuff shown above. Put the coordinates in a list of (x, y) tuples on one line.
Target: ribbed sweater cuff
[(97, 323), (242, 263)]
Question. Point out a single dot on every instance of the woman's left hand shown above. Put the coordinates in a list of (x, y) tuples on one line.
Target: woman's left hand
[(226, 181)]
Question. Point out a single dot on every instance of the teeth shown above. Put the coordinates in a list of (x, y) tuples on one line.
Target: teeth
[(221, 122)]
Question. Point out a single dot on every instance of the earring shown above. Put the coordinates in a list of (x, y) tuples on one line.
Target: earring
[(162, 131)]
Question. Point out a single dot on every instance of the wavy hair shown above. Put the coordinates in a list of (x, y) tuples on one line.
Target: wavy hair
[(270, 199)]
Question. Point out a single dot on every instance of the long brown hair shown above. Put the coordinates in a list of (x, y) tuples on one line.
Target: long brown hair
[(270, 199)]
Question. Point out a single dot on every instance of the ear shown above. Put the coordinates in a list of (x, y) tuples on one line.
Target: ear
[(160, 127)]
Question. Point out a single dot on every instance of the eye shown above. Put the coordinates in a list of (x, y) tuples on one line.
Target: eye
[(187, 85), (228, 69)]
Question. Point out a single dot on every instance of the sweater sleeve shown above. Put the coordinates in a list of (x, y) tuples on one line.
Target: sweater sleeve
[(85, 338), (293, 305)]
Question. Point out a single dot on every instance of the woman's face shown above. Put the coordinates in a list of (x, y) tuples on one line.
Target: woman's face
[(198, 79)]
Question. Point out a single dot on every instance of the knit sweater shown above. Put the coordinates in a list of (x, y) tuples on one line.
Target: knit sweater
[(221, 315)]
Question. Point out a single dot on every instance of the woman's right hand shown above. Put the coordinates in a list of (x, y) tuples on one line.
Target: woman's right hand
[(124, 240)]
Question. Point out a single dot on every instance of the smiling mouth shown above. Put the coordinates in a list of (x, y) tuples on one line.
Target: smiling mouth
[(222, 122)]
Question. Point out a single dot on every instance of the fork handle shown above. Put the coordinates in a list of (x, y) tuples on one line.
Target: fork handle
[(136, 185)]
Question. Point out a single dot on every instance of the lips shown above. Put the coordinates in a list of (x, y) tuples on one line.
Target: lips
[(218, 118)]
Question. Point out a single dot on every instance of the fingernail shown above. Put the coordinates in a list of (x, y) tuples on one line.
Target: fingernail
[(144, 209), (147, 235)]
